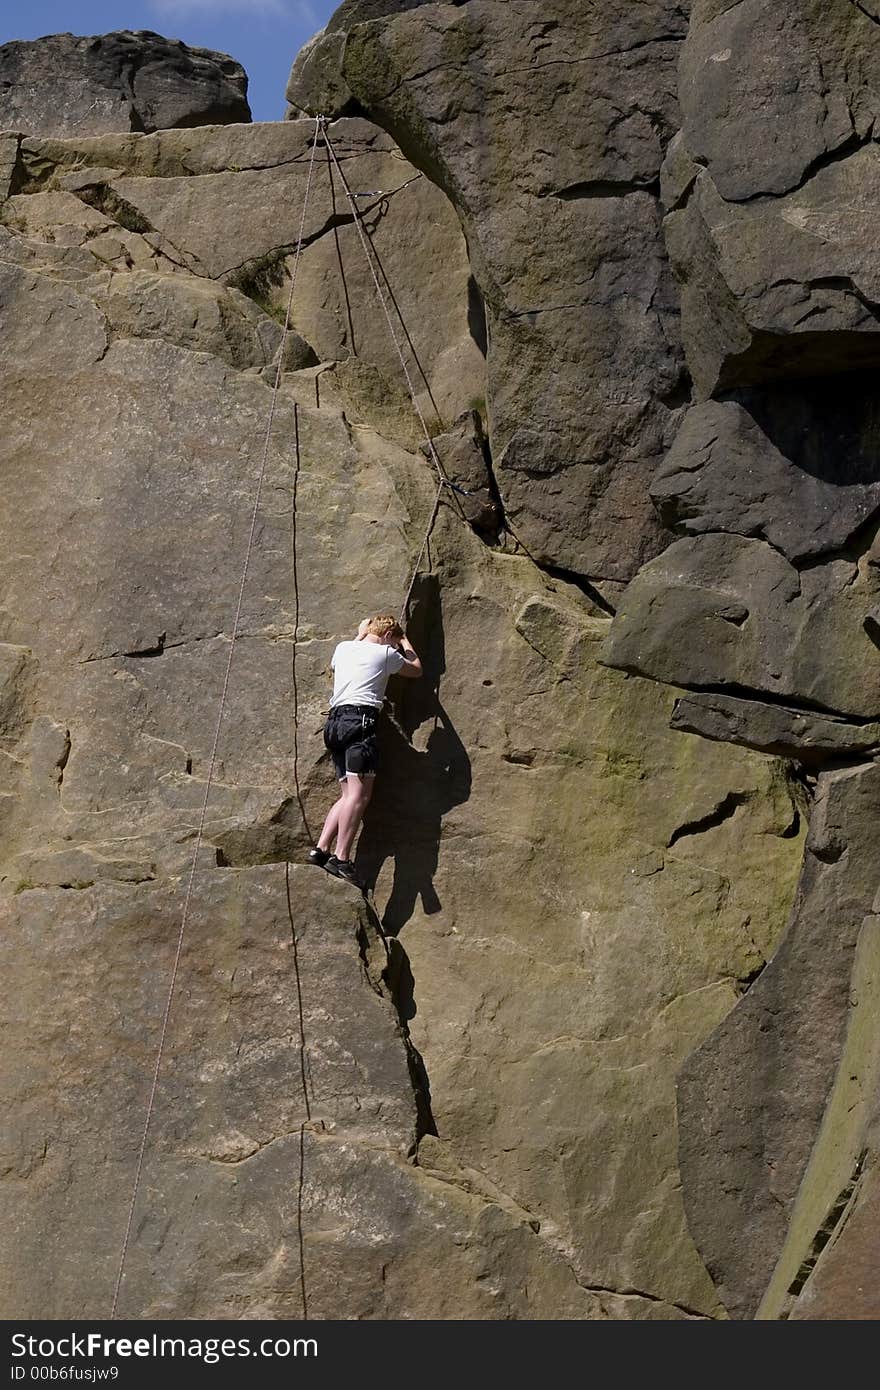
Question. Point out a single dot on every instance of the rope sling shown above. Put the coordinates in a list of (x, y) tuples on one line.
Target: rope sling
[(443, 482)]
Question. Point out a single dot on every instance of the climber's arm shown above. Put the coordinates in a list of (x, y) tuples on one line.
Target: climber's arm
[(411, 667)]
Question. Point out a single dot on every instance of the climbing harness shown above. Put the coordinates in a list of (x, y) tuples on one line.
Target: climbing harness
[(443, 482)]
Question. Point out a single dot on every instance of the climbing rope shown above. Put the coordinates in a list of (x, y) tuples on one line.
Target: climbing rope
[(443, 481), (221, 710)]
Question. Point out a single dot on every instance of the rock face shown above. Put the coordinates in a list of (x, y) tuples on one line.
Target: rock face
[(268, 1154), (771, 231), (66, 85), (603, 1042), (474, 1113), (754, 1095), (797, 469), (767, 610), (560, 209)]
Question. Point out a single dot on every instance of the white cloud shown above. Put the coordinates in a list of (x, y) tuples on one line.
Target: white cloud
[(270, 9)]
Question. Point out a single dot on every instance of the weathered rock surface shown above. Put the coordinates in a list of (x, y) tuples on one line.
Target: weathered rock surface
[(225, 204), (130, 450), (828, 1262), (724, 612), (266, 1152), (798, 468), (776, 729), (768, 611), (769, 90), (772, 188), (67, 85), (575, 903), (752, 1098), (560, 211), (779, 286)]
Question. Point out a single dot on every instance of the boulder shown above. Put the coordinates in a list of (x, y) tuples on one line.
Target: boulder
[(778, 730), (562, 223), (770, 190), (779, 286), (729, 613), (797, 466), (770, 89), (462, 453), (130, 80)]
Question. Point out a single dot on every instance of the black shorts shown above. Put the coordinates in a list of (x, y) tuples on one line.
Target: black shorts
[(350, 737)]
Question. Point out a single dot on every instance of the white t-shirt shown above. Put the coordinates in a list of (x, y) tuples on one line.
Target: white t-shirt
[(361, 671)]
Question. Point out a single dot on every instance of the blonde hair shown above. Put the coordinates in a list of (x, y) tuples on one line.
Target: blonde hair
[(385, 625)]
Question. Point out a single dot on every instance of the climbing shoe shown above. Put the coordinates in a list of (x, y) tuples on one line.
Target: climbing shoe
[(343, 868), (319, 857)]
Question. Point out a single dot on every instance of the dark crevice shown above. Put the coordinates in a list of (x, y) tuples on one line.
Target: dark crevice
[(605, 188), (580, 582), (763, 697), (64, 757), (629, 1292), (157, 650), (792, 830), (829, 852), (841, 152), (725, 810), (396, 982), (801, 787), (680, 394), (399, 980), (826, 1231), (476, 315), (491, 533), (525, 759), (18, 176), (745, 982), (735, 613), (106, 200)]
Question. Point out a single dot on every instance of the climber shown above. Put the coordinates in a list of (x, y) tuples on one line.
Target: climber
[(361, 669)]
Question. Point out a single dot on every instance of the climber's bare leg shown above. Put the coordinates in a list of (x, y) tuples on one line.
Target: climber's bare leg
[(331, 824), (352, 805)]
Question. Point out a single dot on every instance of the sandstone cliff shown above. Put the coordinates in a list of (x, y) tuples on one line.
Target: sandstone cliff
[(458, 1100)]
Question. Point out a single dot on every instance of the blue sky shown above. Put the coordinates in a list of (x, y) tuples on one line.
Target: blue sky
[(264, 35)]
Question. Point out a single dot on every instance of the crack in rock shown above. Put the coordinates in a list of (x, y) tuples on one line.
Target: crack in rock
[(724, 810)]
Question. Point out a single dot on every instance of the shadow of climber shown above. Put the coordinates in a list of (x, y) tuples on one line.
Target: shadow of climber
[(417, 786)]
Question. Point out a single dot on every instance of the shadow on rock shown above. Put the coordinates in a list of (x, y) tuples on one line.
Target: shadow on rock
[(417, 786)]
